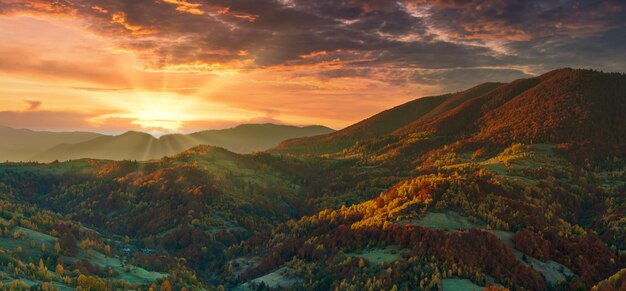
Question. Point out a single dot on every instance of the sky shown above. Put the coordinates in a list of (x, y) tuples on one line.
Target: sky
[(186, 65)]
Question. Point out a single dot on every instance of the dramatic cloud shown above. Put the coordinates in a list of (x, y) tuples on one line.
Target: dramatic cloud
[(329, 61)]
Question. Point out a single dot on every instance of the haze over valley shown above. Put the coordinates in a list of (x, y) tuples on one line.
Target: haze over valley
[(27, 145)]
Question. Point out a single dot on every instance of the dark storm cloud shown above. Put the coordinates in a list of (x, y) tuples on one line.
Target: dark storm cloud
[(462, 40), (522, 20)]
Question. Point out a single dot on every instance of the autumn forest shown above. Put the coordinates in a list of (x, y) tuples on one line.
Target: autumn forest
[(496, 187)]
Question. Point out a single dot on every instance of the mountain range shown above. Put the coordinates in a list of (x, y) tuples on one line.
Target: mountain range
[(28, 145), (504, 186), (23, 144)]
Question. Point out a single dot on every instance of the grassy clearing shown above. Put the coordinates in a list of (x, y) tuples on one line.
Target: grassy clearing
[(552, 271), (278, 279), (459, 285), (448, 221), (29, 283), (511, 161), (11, 244), (520, 157), (30, 253), (38, 237), (6, 280), (134, 275), (505, 236), (63, 287), (378, 256), (240, 265)]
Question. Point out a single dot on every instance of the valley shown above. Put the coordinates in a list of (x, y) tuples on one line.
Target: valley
[(496, 187)]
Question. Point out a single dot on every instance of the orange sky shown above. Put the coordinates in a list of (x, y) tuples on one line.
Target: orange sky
[(71, 70), (181, 65)]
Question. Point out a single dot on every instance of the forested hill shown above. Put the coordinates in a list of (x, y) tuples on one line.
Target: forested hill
[(517, 186), (581, 110)]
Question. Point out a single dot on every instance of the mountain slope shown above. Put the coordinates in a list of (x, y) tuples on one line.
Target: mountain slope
[(459, 98), (378, 125), (578, 109), (141, 146), (21, 144), (460, 118)]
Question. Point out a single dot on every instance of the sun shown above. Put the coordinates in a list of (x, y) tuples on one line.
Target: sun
[(157, 119), (164, 112), (169, 125)]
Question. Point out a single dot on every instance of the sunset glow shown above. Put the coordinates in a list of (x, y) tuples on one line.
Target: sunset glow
[(188, 65), (313, 145)]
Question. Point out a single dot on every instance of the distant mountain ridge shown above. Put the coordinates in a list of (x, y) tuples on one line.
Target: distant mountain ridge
[(133, 145), (22, 144)]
